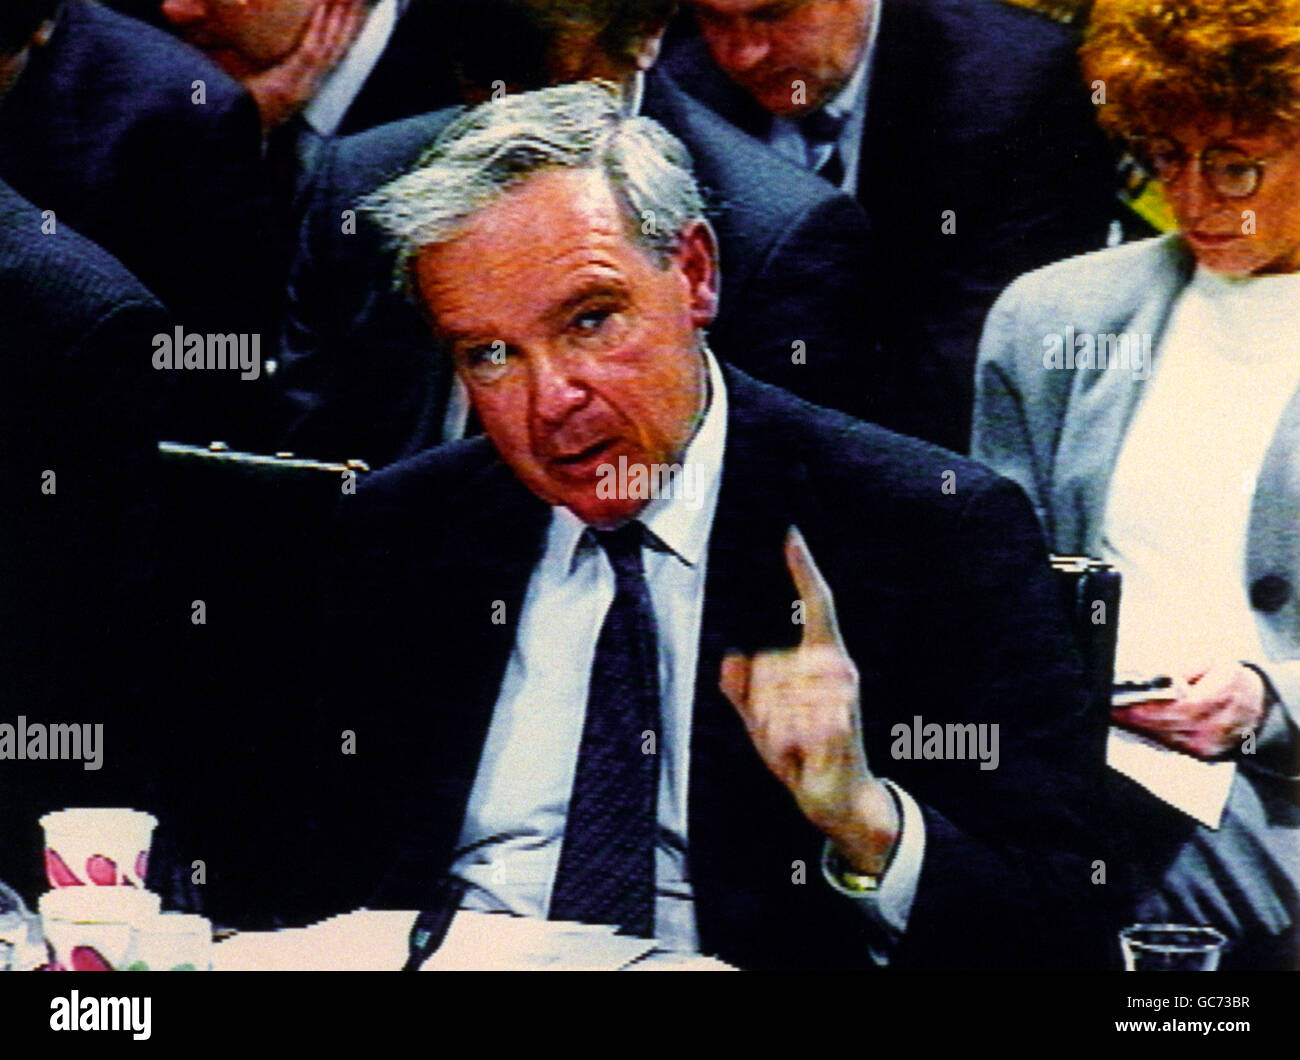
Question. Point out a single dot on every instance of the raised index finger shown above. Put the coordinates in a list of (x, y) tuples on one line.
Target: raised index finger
[(820, 626)]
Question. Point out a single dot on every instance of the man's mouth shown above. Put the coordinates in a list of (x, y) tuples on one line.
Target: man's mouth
[(580, 462)]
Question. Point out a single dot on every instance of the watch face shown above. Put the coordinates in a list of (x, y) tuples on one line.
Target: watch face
[(847, 878)]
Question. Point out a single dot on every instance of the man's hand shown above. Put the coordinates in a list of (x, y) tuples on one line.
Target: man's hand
[(1222, 704), (801, 709), (287, 87)]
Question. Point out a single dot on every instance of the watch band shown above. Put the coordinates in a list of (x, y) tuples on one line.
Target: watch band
[(848, 877)]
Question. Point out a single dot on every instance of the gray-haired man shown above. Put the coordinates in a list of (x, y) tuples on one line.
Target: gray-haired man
[(609, 701), (360, 371)]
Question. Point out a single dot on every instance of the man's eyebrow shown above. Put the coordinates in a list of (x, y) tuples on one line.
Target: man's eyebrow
[(454, 337), (594, 288), (777, 9)]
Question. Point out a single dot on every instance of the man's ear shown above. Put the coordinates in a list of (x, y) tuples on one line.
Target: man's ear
[(697, 257)]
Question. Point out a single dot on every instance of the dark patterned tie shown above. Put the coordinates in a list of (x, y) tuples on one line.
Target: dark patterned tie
[(607, 862), (821, 130)]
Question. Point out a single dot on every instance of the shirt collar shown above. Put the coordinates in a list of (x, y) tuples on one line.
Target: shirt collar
[(634, 94), (325, 111), (680, 520), (785, 135)]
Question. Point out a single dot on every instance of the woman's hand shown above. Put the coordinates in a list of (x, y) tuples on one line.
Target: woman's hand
[(1223, 703)]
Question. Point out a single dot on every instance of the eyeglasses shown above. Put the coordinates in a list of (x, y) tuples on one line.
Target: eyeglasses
[(1229, 171)]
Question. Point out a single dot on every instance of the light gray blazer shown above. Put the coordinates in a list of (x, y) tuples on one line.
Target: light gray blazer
[(1057, 431)]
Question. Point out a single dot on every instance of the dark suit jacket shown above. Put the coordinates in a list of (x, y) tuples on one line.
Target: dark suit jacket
[(101, 129), (80, 400), (363, 377), (976, 107), (946, 607)]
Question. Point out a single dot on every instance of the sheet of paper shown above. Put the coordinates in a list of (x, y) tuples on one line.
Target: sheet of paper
[(1197, 788), (496, 942), (668, 961), (363, 941), (377, 941)]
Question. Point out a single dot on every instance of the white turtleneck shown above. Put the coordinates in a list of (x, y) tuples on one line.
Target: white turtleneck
[(1179, 504)]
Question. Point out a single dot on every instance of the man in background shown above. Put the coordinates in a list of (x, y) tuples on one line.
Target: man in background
[(963, 129)]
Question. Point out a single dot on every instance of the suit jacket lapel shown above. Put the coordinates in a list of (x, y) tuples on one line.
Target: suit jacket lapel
[(480, 566), (897, 102), (702, 78), (1273, 540), (503, 534), (1103, 403)]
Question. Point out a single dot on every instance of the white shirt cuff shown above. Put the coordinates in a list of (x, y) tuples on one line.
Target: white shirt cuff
[(890, 905)]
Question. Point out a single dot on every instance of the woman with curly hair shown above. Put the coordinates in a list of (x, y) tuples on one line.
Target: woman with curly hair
[(1147, 397)]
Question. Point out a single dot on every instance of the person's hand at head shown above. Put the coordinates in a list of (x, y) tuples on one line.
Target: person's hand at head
[(282, 90)]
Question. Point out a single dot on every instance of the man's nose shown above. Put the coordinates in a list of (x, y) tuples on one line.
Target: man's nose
[(556, 389), (743, 46), (184, 12)]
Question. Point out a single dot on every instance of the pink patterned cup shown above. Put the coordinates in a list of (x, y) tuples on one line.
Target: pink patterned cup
[(89, 929), (97, 846)]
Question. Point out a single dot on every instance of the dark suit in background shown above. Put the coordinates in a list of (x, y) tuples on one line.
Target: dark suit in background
[(80, 400), (364, 378), (101, 128), (973, 107), (413, 74), (945, 606)]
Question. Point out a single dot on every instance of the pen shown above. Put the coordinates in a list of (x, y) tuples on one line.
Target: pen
[(430, 927)]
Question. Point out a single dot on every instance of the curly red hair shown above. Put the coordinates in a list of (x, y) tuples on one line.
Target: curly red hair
[(1166, 63)]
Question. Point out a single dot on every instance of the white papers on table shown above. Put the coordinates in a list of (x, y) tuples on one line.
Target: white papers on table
[(377, 941), (1197, 788), (500, 942), (363, 941)]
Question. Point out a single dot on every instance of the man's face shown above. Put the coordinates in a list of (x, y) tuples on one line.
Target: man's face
[(1239, 236), (576, 346), (767, 46), (242, 36)]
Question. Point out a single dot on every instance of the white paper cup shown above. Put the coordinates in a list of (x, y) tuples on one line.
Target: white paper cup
[(89, 928), (170, 942), (103, 847)]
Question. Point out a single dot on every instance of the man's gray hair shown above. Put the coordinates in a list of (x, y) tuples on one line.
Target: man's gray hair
[(493, 147)]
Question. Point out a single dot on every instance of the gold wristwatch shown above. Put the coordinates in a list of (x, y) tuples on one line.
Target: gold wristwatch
[(848, 877)]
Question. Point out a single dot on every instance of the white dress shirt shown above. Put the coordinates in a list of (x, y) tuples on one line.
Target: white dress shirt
[(341, 86), (510, 840), (786, 136)]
